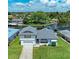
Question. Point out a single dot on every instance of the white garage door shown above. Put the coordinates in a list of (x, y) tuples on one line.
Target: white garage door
[(28, 42)]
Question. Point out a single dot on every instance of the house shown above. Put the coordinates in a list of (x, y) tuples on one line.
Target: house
[(16, 22), (65, 34), (32, 35), (46, 36), (28, 35)]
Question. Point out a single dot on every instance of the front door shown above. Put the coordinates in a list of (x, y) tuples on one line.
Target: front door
[(37, 41)]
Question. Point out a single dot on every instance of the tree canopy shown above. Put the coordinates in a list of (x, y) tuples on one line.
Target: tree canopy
[(43, 17)]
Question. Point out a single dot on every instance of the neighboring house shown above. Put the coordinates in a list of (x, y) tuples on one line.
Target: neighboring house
[(16, 22), (46, 36), (65, 34), (32, 35)]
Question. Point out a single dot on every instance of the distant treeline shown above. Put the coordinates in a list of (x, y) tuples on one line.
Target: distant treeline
[(42, 17)]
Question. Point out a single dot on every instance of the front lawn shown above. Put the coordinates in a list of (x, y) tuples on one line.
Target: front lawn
[(14, 50), (62, 51)]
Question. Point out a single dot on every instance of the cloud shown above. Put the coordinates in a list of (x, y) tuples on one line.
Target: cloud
[(44, 1), (33, 5), (31, 2), (68, 2), (49, 3), (19, 4), (52, 3)]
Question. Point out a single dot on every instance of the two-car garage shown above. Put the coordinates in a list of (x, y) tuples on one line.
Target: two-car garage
[(24, 41)]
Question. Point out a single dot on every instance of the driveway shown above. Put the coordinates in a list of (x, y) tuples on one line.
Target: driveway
[(27, 52)]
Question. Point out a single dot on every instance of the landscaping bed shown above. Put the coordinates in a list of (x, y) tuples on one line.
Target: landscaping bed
[(62, 51), (14, 49)]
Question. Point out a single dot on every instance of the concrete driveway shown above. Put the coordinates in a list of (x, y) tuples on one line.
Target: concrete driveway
[(27, 52)]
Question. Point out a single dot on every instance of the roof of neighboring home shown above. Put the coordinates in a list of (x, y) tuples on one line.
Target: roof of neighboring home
[(17, 19), (46, 34), (65, 33), (28, 30)]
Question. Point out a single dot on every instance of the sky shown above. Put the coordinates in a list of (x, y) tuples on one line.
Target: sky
[(38, 5)]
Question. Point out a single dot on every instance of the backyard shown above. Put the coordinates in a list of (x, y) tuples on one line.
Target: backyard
[(62, 51), (14, 49)]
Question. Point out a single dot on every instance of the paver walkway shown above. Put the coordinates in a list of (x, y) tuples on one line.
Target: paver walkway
[(27, 52)]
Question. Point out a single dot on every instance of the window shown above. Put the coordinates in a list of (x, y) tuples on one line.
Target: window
[(43, 41), (27, 36), (33, 36)]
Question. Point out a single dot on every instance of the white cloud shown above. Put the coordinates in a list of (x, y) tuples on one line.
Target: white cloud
[(44, 1), (34, 6), (49, 3), (19, 4), (52, 3), (31, 2), (68, 2)]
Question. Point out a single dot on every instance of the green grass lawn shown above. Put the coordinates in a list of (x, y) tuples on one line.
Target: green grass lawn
[(14, 50), (62, 51)]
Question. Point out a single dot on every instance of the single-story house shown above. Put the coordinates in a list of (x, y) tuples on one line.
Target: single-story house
[(65, 34), (32, 35), (16, 22)]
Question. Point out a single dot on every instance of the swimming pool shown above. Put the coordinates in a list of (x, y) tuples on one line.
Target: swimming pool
[(12, 33)]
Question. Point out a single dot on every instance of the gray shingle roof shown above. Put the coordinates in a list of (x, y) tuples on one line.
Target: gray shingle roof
[(17, 19), (41, 34), (65, 33), (28, 30), (46, 34)]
